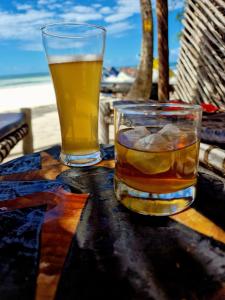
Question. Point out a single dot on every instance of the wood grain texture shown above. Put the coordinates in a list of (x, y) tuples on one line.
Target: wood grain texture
[(59, 226), (142, 85), (198, 222), (163, 50), (28, 140), (107, 164)]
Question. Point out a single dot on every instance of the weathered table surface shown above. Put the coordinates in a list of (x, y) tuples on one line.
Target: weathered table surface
[(66, 237), (9, 122)]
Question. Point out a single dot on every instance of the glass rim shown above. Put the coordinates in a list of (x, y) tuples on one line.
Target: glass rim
[(44, 30), (154, 108)]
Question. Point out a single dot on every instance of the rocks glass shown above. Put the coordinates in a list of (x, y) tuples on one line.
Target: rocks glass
[(156, 150)]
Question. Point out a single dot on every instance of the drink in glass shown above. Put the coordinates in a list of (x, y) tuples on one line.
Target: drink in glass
[(75, 54), (157, 150)]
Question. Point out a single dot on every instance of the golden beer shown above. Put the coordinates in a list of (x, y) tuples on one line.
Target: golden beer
[(77, 82)]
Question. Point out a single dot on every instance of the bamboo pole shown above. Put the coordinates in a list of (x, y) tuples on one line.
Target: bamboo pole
[(163, 52)]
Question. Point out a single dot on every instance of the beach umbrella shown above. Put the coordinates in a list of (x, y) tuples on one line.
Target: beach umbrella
[(163, 51), (141, 88)]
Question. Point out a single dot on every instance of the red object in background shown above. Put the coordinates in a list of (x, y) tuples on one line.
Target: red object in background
[(209, 108), (177, 101)]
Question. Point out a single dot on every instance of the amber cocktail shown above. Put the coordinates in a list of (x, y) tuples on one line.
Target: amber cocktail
[(157, 150)]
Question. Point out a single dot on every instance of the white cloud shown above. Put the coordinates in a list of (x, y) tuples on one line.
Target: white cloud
[(174, 53), (123, 10), (81, 14), (36, 45), (176, 4), (23, 6), (96, 5), (23, 25), (84, 9), (56, 6), (52, 4), (32, 46), (106, 10), (46, 2), (68, 3), (120, 27)]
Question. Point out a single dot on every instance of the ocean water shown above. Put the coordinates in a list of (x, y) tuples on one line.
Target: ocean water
[(30, 79), (23, 79)]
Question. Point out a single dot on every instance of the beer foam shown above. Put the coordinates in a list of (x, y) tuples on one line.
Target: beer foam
[(58, 59)]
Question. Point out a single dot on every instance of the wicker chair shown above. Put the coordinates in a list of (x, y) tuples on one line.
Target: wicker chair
[(15, 127)]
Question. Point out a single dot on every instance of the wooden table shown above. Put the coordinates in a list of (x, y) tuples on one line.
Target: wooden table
[(64, 236)]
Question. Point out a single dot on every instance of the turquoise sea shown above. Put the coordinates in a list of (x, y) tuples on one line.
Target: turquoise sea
[(30, 79), (23, 79)]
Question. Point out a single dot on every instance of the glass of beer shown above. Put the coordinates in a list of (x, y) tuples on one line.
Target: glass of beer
[(156, 148), (75, 55)]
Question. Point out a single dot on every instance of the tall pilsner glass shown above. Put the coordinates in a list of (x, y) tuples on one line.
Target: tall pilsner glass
[(75, 55)]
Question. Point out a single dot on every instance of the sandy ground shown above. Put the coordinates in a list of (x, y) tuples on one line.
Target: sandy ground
[(12, 98), (45, 124)]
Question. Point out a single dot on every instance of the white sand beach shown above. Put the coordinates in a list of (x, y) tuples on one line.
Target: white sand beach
[(12, 98), (45, 123), (41, 99)]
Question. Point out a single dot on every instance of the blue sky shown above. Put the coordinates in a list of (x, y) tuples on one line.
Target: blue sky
[(20, 21)]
